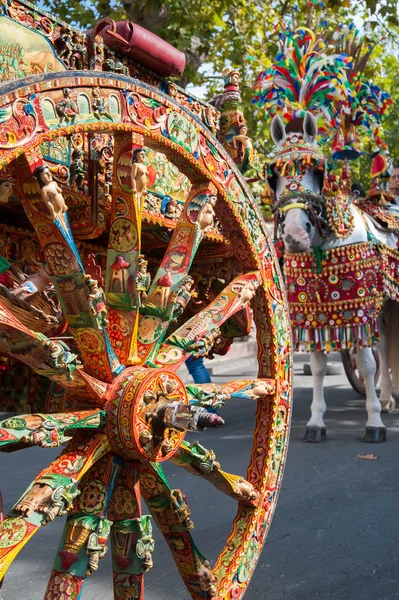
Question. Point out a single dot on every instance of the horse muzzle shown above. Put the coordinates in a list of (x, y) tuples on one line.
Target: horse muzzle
[(296, 239)]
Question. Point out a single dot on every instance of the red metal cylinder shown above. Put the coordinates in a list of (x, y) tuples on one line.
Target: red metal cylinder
[(142, 46)]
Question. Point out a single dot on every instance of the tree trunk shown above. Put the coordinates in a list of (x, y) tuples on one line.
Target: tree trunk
[(151, 14)]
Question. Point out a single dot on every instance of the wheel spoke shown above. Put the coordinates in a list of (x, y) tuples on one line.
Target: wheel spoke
[(239, 324), (172, 515), (210, 395), (51, 358), (28, 314), (123, 297), (47, 431), (131, 539), (86, 531), (49, 495), (148, 407), (199, 334), (82, 299), (197, 460), (170, 290)]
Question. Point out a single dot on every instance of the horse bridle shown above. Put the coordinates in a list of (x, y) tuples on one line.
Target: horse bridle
[(310, 202)]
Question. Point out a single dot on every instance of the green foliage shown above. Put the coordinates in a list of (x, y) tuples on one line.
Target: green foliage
[(214, 31), (240, 33), (391, 125), (383, 69)]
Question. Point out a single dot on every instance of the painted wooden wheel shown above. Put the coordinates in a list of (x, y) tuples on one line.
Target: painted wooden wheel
[(115, 397), (348, 358)]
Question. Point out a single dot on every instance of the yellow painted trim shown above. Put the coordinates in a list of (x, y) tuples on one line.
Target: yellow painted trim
[(293, 205)]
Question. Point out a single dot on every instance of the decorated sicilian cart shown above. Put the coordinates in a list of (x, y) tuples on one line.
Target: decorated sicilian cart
[(129, 241), (341, 261)]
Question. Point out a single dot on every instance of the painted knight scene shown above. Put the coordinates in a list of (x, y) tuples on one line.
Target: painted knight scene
[(199, 222)]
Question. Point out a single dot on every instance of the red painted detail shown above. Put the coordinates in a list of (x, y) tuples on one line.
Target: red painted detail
[(68, 558), (165, 281), (122, 562), (119, 263), (278, 247), (152, 175), (6, 280)]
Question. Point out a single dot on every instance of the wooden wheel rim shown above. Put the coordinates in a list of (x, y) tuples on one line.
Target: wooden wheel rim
[(237, 561)]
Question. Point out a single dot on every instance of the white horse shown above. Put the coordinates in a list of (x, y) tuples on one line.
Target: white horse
[(299, 233)]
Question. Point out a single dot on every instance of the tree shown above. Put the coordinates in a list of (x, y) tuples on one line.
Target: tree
[(241, 33), (214, 31)]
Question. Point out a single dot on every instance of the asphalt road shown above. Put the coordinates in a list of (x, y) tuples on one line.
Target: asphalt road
[(335, 532)]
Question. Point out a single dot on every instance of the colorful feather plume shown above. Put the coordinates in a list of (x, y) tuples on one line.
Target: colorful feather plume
[(326, 77), (304, 78), (368, 104), (363, 119)]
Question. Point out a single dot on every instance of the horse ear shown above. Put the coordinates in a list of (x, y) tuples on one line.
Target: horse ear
[(310, 128), (278, 131)]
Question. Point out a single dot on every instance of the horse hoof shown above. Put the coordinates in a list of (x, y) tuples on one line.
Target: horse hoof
[(375, 435), (315, 435)]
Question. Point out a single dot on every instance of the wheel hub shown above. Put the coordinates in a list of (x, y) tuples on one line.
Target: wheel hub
[(143, 406)]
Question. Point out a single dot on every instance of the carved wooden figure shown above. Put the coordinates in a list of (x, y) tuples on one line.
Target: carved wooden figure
[(139, 172), (6, 190), (141, 246), (51, 192)]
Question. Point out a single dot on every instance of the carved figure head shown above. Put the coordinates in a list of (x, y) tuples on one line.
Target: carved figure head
[(43, 175), (138, 155)]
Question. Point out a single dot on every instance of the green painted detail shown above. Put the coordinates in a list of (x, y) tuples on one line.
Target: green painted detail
[(246, 567), (4, 265)]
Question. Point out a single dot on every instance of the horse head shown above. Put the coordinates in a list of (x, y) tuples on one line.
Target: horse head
[(296, 177)]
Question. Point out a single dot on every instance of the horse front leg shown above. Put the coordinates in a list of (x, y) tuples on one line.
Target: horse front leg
[(388, 403), (315, 428), (375, 429)]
